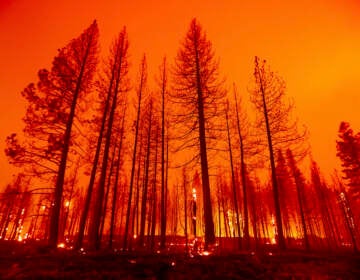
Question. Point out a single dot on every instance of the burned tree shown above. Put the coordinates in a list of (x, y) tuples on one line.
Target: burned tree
[(274, 121), (197, 90), (140, 90), (109, 87), (119, 65), (51, 112)]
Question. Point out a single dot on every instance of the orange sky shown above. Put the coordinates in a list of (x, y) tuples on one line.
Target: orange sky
[(314, 45)]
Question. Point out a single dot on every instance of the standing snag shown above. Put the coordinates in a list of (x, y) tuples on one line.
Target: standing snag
[(274, 119), (198, 92)]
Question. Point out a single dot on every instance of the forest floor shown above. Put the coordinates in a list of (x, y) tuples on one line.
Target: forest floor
[(28, 262)]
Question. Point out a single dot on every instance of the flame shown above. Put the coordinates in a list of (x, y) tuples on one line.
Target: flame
[(194, 194)]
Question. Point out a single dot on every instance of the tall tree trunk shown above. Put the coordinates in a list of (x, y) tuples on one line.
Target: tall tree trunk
[(153, 220), (107, 192), (67, 206), (166, 180), (135, 210), (254, 216), (115, 186), (219, 213), (185, 213), (279, 227), (94, 232), (233, 181), (163, 200), (146, 181), (209, 223), (243, 176), (90, 188), (226, 224), (142, 84)]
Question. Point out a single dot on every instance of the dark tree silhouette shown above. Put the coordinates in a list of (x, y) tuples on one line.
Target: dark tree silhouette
[(241, 126), (116, 71), (120, 66), (140, 90), (51, 113), (117, 175), (348, 150), (198, 92), (75, 66), (274, 118), (149, 114), (163, 83), (234, 185)]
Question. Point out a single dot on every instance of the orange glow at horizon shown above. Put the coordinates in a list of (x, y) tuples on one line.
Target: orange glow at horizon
[(314, 45)]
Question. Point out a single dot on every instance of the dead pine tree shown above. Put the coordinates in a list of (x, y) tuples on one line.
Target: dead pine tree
[(117, 175), (117, 54), (154, 191), (241, 123), (274, 123), (197, 92), (119, 87), (144, 197), (135, 210), (141, 87), (233, 181), (163, 84), (109, 179)]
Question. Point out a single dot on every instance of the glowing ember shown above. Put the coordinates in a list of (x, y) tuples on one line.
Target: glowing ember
[(135, 236), (67, 203), (205, 253), (173, 263), (194, 193), (61, 245), (20, 238)]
